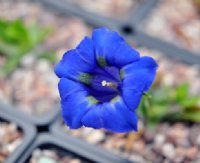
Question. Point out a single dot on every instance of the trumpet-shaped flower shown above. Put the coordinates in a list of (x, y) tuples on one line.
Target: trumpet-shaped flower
[(102, 82)]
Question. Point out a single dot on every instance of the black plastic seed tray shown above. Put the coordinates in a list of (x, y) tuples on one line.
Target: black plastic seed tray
[(77, 10), (95, 20), (96, 153), (124, 25), (71, 146), (142, 10), (142, 13), (172, 51), (132, 9), (27, 129), (43, 120)]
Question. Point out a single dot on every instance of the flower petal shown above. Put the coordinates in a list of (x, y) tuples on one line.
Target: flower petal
[(72, 65), (106, 42), (115, 117), (125, 55), (111, 46), (73, 101), (132, 98), (138, 77), (73, 109), (86, 51), (66, 87), (93, 118)]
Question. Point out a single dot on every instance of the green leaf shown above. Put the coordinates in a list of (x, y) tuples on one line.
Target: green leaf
[(9, 66), (190, 102), (7, 49), (158, 112), (193, 116), (170, 104), (16, 40), (182, 91), (160, 95), (36, 35), (50, 56)]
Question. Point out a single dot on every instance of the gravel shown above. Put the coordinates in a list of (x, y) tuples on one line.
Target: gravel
[(112, 8), (10, 138), (51, 156), (31, 88), (181, 28), (162, 146)]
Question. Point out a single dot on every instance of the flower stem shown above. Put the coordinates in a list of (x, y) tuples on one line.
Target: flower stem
[(145, 108)]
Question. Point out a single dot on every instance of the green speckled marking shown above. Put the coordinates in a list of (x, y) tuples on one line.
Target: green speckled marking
[(92, 100), (121, 72), (101, 61), (115, 99), (85, 78)]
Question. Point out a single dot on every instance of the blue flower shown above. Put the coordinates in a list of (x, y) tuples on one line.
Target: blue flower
[(102, 81)]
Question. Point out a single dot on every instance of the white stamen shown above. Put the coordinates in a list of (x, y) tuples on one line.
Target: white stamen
[(108, 84), (104, 83)]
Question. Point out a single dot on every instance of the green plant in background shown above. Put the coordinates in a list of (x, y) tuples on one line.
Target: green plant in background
[(169, 104), (16, 40), (49, 56)]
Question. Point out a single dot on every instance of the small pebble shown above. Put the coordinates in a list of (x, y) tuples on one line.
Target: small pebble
[(46, 160), (10, 139), (95, 137), (192, 153), (198, 140), (168, 150), (159, 139), (51, 156)]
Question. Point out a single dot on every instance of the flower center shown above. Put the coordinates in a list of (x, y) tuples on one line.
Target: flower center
[(103, 84), (109, 84)]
